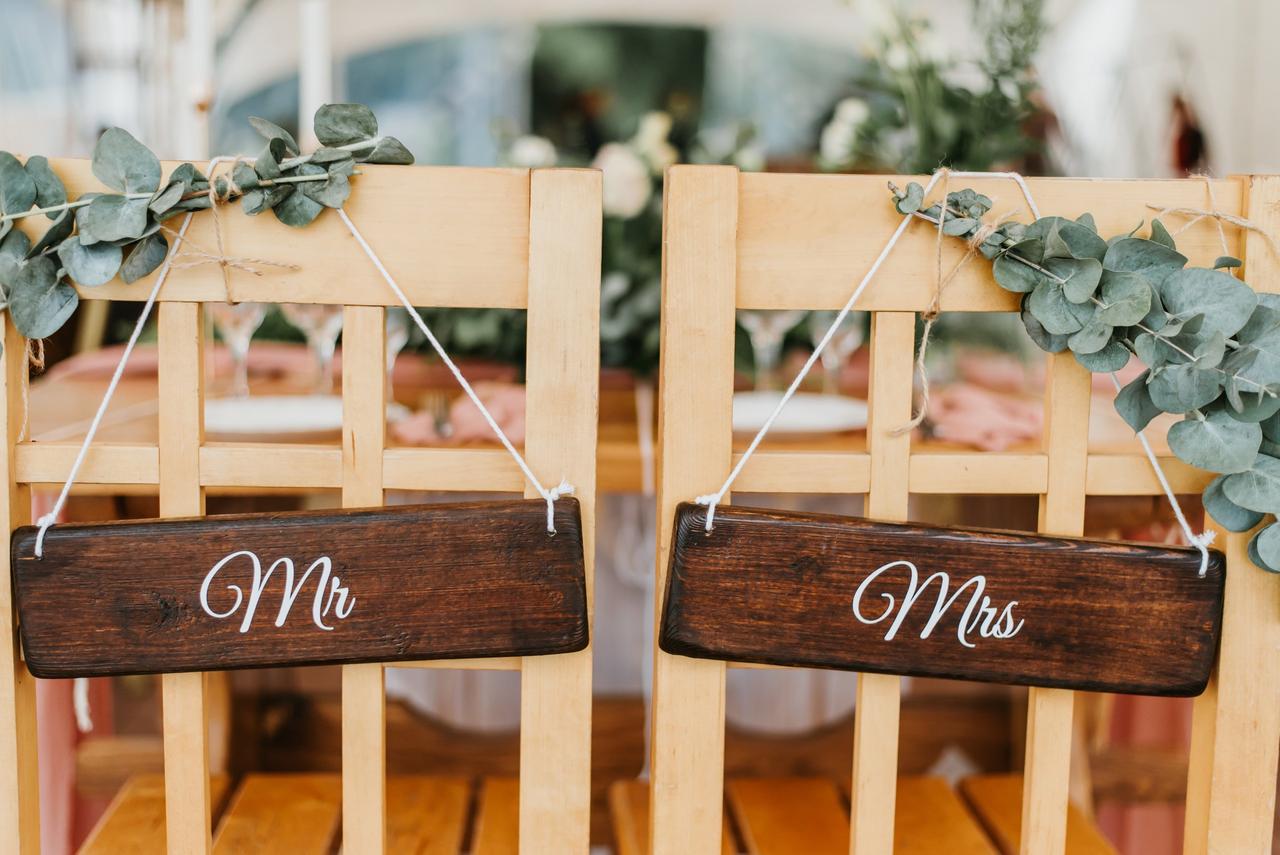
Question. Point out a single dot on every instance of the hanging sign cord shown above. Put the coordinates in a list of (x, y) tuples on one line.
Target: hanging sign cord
[(564, 488), (711, 500)]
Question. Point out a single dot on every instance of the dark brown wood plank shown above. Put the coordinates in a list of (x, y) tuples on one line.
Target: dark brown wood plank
[(421, 582), (835, 592)]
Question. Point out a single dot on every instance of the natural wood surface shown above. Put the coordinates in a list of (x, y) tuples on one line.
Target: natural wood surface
[(426, 582), (1235, 739), (776, 587), (700, 209), (134, 824), (497, 830), (779, 816), (427, 816), (931, 818), (629, 813), (281, 813), (467, 247), (996, 800), (561, 414)]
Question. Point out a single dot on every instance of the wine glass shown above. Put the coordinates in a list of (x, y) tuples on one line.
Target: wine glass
[(847, 338), (236, 323), (397, 338), (321, 325), (767, 329)]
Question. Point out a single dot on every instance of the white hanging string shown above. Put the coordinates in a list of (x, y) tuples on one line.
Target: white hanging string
[(564, 488), (50, 518), (711, 500)]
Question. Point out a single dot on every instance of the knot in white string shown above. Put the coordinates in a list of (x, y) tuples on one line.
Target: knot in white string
[(564, 488), (44, 522), (710, 500), (1202, 542)]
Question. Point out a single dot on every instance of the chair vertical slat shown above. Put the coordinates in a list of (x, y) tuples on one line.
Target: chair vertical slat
[(562, 403), (875, 729), (1047, 767), (188, 822), (364, 731), (695, 431), (19, 780), (1231, 787)]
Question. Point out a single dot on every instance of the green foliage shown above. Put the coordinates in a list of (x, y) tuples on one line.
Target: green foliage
[(1210, 343), (100, 236)]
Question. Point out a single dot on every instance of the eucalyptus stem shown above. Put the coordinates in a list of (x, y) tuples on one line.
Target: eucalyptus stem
[(361, 145), (1008, 253)]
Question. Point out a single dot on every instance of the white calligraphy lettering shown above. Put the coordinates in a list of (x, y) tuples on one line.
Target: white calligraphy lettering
[(328, 587), (979, 614)]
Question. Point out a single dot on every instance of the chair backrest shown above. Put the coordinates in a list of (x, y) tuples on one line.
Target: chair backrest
[(768, 241), (454, 237)]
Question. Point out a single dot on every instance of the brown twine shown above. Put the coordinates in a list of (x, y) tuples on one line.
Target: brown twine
[(934, 310), (1218, 217), (199, 256)]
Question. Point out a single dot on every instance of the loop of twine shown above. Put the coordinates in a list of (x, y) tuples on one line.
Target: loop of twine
[(1218, 217)]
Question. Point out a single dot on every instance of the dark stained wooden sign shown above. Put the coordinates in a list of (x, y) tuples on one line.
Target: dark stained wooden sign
[(379, 585), (1000, 607)]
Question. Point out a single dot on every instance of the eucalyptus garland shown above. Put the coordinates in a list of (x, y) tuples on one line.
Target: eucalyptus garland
[(1210, 343), (101, 235)]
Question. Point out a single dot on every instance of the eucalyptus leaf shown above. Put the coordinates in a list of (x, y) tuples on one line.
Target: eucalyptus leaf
[(124, 164), (331, 193), (1014, 275), (1183, 388), (267, 164), (50, 191), (1264, 548), (1065, 238), (17, 189), (39, 301), (13, 249), (1134, 404), (1226, 261), (389, 150), (1271, 428), (271, 131), (1092, 337), (1113, 357), (911, 200), (1135, 255), (265, 198), (1086, 219), (297, 210), (145, 256), (89, 266), (1216, 442), (111, 217), (1258, 489), (1044, 339), (1257, 407), (1227, 513), (958, 226), (343, 124), (167, 198), (1082, 275), (1224, 300), (1160, 235), (1126, 298), (57, 232), (1055, 312)]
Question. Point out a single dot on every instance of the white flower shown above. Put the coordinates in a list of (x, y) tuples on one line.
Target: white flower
[(627, 184), (651, 141), (836, 142), (749, 158), (532, 152), (852, 112), (897, 57)]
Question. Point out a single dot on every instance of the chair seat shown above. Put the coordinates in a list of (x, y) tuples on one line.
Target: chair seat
[(302, 814), (780, 816), (997, 801)]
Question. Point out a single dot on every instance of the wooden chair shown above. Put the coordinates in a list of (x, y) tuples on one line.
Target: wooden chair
[(770, 241), (455, 237)]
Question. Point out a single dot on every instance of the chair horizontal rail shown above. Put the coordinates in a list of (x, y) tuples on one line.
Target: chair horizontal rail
[(797, 248), (452, 237)]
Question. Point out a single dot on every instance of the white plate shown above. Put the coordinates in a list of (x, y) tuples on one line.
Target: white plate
[(276, 417), (805, 413)]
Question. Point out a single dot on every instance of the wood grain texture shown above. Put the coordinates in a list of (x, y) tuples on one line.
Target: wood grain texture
[(997, 802), (134, 821), (429, 582), (778, 588)]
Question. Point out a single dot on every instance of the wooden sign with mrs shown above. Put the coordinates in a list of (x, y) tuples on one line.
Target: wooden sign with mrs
[(833, 592), (479, 579)]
